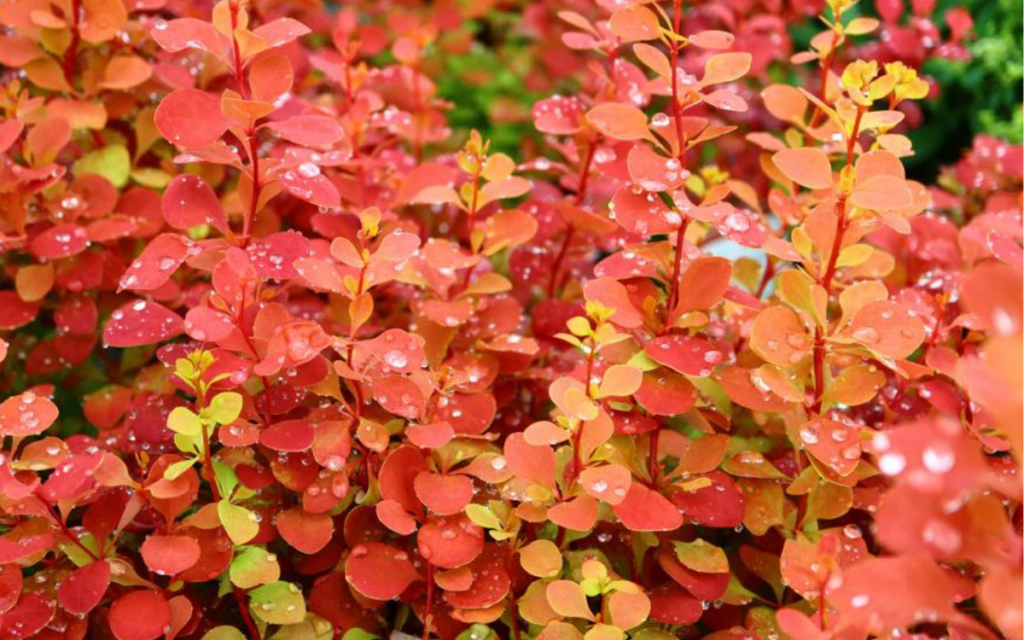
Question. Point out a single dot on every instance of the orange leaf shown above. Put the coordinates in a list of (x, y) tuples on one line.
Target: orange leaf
[(807, 166)]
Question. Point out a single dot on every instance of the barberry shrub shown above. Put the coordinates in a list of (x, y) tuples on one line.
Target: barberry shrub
[(286, 356)]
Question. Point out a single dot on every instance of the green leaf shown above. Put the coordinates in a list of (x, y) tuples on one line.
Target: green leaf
[(854, 255), (226, 478), (149, 177), (482, 516), (359, 634), (643, 362), (224, 408), (112, 163), (477, 632), (254, 566), (183, 421), (224, 632), (240, 523), (174, 471), (190, 445), (278, 603)]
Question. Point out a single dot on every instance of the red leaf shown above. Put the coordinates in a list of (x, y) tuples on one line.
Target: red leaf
[(188, 202), (531, 463), (394, 517), (688, 355), (807, 166), (450, 542), (73, 477), (444, 495), (288, 436), (491, 582), (671, 604), (379, 571), (169, 554), (205, 324), (140, 323), (644, 509), (189, 33), (14, 312), (665, 393), (577, 514), (26, 415), (60, 241), (190, 118), (619, 121), (157, 263), (33, 612), (705, 586), (306, 182), (891, 593), (139, 615), (399, 395), (712, 39), (275, 255), (643, 212), (14, 549), (558, 115), (293, 344), (396, 477), (309, 130), (281, 31), (718, 505), (11, 582), (306, 532), (84, 588), (394, 351)]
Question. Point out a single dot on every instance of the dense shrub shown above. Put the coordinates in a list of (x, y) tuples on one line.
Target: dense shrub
[(288, 355)]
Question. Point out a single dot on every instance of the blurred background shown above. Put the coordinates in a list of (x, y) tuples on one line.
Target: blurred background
[(972, 51)]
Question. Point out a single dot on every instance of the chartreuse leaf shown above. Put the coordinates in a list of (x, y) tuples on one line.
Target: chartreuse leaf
[(224, 632), (183, 421), (278, 603), (595, 578), (174, 471), (224, 408), (643, 362), (77, 554), (111, 162), (226, 478), (702, 556), (359, 634), (482, 516), (477, 632), (240, 523), (254, 566)]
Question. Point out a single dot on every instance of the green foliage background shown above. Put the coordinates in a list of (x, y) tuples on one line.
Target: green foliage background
[(983, 95)]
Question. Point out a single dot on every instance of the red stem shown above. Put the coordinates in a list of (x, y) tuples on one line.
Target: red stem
[(677, 111), (581, 193), (257, 187), (254, 631), (236, 50), (673, 297), (71, 54), (471, 214), (830, 270), (653, 469), (677, 116), (559, 259), (428, 614), (826, 67)]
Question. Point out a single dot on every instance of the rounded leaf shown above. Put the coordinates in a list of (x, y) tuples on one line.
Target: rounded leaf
[(139, 615)]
